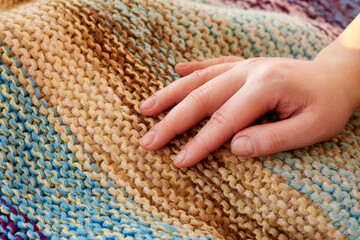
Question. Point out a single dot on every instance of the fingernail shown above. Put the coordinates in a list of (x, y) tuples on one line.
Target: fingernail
[(149, 103), (243, 146), (180, 157), (148, 138)]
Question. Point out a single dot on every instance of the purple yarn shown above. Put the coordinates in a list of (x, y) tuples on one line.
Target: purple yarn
[(8, 226), (338, 13)]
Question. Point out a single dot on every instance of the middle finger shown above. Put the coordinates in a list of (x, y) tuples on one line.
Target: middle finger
[(200, 103)]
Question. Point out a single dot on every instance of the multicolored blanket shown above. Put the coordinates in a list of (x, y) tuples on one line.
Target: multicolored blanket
[(72, 76)]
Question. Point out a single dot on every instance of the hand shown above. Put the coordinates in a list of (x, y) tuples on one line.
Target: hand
[(313, 100)]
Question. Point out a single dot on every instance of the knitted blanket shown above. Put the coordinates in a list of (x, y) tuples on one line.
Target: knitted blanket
[(72, 76)]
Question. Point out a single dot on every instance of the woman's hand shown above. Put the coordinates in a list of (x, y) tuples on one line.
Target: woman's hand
[(313, 100)]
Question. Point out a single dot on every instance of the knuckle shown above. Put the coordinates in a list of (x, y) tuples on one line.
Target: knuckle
[(228, 59), (275, 73), (199, 75), (224, 59), (274, 142), (269, 73), (220, 117), (199, 96), (252, 61), (166, 124)]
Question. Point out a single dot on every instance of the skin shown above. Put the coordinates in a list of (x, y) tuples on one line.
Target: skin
[(313, 99)]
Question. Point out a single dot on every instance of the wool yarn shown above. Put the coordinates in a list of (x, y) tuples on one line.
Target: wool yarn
[(72, 76), (339, 13)]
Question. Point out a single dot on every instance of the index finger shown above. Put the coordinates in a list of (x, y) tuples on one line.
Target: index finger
[(238, 112)]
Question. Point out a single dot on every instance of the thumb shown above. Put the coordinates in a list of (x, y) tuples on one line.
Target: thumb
[(185, 68), (265, 139)]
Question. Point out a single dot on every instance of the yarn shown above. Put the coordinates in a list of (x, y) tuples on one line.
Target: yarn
[(339, 13), (73, 74)]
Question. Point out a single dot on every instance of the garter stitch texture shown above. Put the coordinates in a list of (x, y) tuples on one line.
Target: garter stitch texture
[(72, 76)]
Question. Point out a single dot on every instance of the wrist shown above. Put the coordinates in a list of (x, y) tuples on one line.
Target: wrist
[(341, 64)]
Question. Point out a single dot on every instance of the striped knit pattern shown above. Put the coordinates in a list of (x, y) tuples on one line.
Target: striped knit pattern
[(72, 76), (338, 13)]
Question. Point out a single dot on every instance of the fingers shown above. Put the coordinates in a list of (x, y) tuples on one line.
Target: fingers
[(179, 89), (238, 112), (261, 140), (186, 68), (200, 103)]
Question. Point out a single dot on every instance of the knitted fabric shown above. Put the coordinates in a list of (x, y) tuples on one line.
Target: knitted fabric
[(72, 76), (337, 12)]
